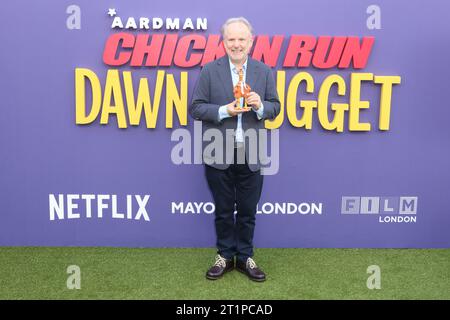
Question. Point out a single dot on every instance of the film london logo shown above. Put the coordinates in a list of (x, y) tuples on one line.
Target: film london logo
[(388, 209)]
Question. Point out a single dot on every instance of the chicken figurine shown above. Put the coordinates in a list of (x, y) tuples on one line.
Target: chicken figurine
[(241, 90)]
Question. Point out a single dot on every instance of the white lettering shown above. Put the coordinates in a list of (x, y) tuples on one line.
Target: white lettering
[(71, 206), (74, 204), (202, 24), (115, 214), (143, 23), (88, 198), (177, 207), (397, 219), (131, 23), (101, 205), (56, 207), (157, 23), (142, 211), (117, 23), (188, 24), (172, 24)]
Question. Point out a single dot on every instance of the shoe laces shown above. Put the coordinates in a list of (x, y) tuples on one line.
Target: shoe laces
[(251, 263), (220, 261)]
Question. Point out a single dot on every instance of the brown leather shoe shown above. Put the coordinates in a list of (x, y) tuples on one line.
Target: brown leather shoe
[(251, 270), (220, 267)]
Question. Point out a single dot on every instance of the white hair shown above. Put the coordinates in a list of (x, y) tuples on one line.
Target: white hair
[(234, 20)]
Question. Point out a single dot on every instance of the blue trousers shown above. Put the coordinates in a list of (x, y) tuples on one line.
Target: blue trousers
[(236, 187)]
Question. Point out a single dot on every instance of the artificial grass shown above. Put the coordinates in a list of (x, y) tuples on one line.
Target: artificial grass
[(150, 273)]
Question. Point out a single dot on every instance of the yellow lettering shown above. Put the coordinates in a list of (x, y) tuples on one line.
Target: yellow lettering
[(338, 108), (355, 102), (80, 96), (143, 99), (113, 90), (174, 99), (281, 87), (385, 99), (307, 105)]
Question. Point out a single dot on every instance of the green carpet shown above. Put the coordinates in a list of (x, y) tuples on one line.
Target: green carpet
[(131, 273)]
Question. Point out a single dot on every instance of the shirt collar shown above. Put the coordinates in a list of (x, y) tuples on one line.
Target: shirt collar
[(233, 67)]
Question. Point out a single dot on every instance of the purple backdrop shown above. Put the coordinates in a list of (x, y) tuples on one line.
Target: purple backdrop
[(45, 152)]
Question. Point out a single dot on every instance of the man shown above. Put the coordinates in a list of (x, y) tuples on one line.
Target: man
[(237, 185)]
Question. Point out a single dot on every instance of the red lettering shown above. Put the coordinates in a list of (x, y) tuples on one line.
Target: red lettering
[(181, 56), (324, 52), (142, 49), (112, 46), (214, 49), (266, 52), (170, 43), (359, 54), (299, 46), (320, 59)]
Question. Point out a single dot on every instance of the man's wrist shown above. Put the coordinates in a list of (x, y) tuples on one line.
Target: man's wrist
[(260, 111), (223, 113)]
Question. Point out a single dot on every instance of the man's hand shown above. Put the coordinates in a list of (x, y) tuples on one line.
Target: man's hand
[(254, 100), (233, 111)]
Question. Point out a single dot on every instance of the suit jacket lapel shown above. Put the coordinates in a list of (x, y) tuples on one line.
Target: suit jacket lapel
[(251, 76), (225, 77), (251, 79)]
